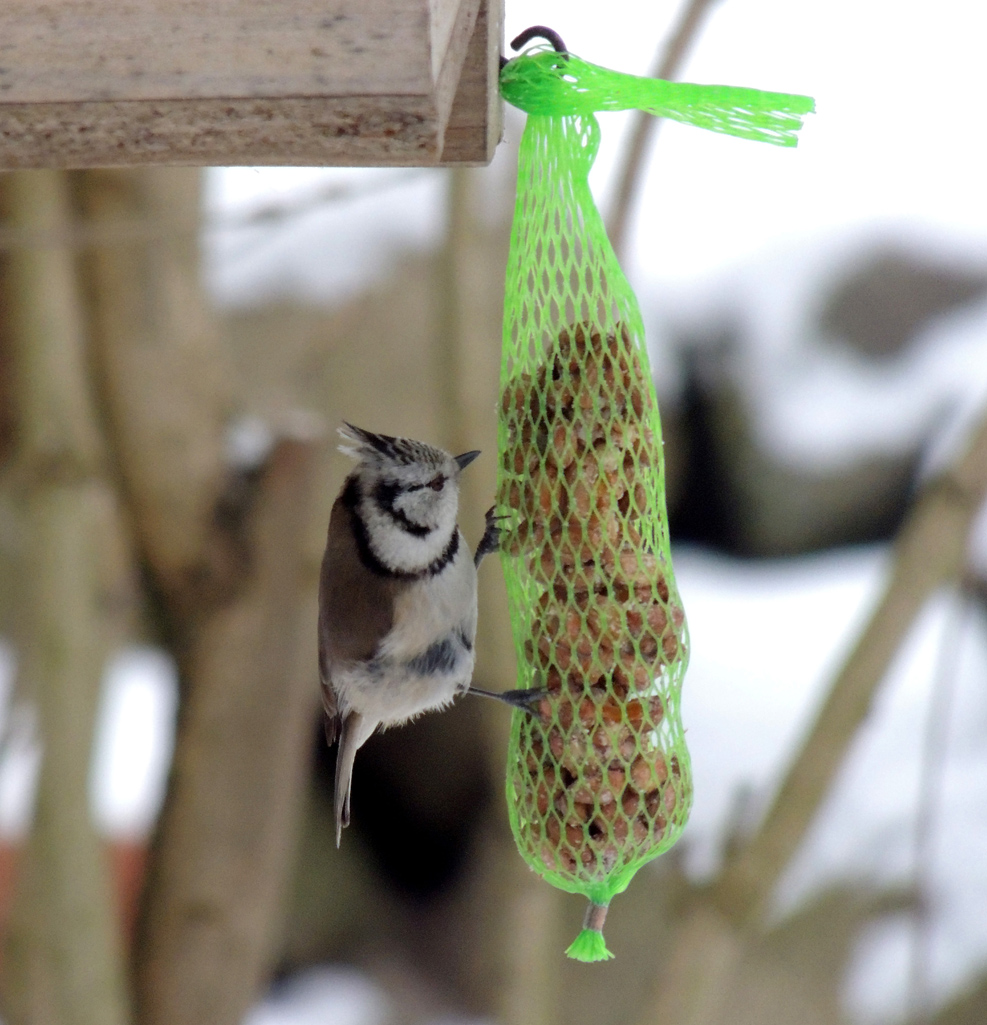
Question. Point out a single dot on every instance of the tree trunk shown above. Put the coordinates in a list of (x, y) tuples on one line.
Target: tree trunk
[(64, 960), (163, 378), (227, 833), (224, 546)]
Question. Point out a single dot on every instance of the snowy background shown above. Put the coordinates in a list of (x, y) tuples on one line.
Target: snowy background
[(893, 155)]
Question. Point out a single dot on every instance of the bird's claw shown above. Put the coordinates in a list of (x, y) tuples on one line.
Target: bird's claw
[(490, 542), (528, 700)]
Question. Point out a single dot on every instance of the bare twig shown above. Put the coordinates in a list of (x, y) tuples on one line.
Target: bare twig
[(273, 212), (932, 764), (645, 125), (531, 990), (929, 553), (450, 300)]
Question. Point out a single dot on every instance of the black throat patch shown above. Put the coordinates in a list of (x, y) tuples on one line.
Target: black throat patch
[(351, 502)]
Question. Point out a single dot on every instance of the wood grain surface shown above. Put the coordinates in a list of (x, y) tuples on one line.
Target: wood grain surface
[(88, 83)]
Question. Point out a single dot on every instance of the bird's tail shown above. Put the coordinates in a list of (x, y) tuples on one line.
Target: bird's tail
[(352, 737)]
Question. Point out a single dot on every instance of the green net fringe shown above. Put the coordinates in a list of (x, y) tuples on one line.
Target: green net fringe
[(589, 945), (547, 83)]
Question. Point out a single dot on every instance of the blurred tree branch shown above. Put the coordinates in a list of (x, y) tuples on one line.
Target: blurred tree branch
[(163, 379), (933, 759), (928, 554), (519, 979), (631, 167), (449, 347), (64, 952), (228, 829), (224, 551)]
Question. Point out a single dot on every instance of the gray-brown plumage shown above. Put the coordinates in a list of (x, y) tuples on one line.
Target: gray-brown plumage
[(397, 594), (362, 604)]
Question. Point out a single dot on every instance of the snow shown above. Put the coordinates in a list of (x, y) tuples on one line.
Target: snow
[(817, 404), (342, 996), (19, 753), (320, 995), (370, 215), (766, 639), (132, 745), (134, 740)]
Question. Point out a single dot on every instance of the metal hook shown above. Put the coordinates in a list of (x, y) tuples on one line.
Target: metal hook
[(540, 30), (533, 33)]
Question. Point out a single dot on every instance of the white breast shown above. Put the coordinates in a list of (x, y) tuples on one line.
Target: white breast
[(429, 609), (390, 690)]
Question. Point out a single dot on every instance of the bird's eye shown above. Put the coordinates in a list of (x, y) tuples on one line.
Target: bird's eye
[(436, 482)]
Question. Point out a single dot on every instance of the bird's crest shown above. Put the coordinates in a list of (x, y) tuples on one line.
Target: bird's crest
[(364, 445)]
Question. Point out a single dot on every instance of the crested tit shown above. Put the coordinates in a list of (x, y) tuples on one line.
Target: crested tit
[(397, 594)]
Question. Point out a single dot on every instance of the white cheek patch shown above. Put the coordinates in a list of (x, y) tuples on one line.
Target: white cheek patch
[(397, 549)]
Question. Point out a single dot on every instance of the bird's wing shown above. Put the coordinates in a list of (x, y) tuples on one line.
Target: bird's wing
[(329, 704), (356, 608)]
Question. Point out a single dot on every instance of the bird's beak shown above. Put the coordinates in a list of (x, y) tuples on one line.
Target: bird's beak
[(466, 458)]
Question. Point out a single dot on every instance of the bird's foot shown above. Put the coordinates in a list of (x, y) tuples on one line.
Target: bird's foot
[(490, 542), (528, 700)]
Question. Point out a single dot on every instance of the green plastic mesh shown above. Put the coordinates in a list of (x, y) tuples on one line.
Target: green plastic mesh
[(545, 82), (598, 779)]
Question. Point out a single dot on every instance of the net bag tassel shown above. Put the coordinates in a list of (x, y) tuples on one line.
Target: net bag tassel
[(598, 775), (549, 83)]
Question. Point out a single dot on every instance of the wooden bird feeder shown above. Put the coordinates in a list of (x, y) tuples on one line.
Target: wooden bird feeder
[(89, 83)]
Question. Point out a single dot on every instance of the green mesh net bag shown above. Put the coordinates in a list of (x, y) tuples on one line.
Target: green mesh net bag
[(598, 779)]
